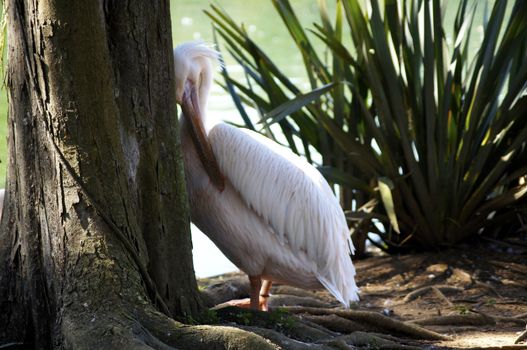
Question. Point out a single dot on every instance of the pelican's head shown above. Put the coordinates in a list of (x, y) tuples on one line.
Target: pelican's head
[(193, 68)]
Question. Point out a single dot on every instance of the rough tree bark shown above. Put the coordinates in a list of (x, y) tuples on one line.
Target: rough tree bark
[(95, 250)]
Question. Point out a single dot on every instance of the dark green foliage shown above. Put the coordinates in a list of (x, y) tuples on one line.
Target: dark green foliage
[(426, 139)]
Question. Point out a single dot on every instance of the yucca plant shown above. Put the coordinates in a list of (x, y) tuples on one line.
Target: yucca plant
[(426, 140)]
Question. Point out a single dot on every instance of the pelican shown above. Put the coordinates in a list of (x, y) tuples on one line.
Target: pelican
[(269, 211)]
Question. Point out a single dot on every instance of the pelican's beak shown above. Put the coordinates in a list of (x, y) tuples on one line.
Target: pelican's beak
[(191, 110)]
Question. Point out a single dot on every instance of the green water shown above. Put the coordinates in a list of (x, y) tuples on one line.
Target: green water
[(259, 17)]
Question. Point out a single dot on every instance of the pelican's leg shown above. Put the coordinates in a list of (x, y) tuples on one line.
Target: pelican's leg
[(259, 293), (264, 294), (255, 285)]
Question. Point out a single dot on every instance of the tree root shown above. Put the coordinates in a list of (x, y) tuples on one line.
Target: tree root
[(476, 319), (439, 289), (284, 341), (489, 287), (236, 287), (441, 296), (278, 300), (521, 337), (375, 319), (288, 290), (202, 337), (373, 341), (107, 332), (514, 320), (502, 347), (466, 301), (337, 323), (397, 339), (513, 302), (143, 328), (291, 325)]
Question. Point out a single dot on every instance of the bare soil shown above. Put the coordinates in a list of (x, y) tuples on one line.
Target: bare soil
[(473, 297)]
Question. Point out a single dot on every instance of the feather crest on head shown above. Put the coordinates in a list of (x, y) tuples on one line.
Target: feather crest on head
[(193, 64)]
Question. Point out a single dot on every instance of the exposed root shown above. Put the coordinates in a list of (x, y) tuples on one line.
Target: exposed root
[(183, 337), (316, 325), (278, 300), (108, 332), (236, 287), (337, 323), (284, 341), (441, 296), (476, 319), (502, 347), (340, 344), (489, 287), (466, 300), (521, 337), (288, 290), (440, 288), (369, 340), (292, 326), (143, 328), (409, 342), (502, 319), (511, 302), (375, 319), (514, 320)]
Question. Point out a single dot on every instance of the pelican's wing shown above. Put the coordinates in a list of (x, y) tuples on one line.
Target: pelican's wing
[(294, 198)]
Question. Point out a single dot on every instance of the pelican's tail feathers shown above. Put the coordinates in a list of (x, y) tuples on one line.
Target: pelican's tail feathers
[(341, 284)]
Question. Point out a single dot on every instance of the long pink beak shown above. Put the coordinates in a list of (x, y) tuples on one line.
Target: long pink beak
[(191, 110)]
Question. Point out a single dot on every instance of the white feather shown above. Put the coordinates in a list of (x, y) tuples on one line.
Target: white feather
[(195, 49), (294, 199)]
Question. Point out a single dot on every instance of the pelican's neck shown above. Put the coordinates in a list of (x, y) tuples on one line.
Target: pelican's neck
[(187, 143), (184, 133), (205, 84)]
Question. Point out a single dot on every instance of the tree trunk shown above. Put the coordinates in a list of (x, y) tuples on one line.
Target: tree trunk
[(95, 249)]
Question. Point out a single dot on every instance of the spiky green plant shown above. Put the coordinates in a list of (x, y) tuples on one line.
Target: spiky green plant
[(426, 139)]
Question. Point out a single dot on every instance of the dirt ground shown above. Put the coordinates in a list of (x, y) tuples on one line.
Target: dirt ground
[(473, 297)]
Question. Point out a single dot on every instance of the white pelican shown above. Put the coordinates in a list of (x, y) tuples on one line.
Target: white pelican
[(269, 211)]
